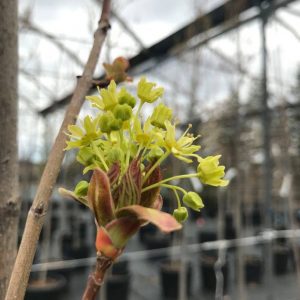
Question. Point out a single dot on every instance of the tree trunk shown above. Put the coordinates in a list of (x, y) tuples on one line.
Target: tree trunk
[(9, 204)]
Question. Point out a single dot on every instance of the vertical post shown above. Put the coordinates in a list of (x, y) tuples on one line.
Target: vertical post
[(267, 163), (182, 295)]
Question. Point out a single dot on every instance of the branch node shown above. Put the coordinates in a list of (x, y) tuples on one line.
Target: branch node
[(104, 26), (39, 211)]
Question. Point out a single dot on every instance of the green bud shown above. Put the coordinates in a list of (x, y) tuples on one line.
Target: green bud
[(85, 156), (104, 123), (122, 112), (115, 124), (81, 188), (180, 214), (115, 154), (126, 98), (193, 200), (155, 153), (161, 114)]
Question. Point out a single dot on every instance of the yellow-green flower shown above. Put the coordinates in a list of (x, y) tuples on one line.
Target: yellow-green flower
[(83, 136), (146, 135), (125, 154), (109, 96), (146, 91), (210, 172), (160, 115), (181, 148)]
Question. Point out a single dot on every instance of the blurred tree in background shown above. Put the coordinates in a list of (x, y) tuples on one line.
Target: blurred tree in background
[(9, 206)]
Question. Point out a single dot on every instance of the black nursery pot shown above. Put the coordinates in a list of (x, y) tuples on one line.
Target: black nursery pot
[(157, 241), (208, 275), (229, 228), (118, 283), (53, 289), (170, 276), (253, 269), (280, 260), (117, 287)]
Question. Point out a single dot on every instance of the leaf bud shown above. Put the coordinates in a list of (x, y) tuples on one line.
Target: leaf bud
[(81, 188)]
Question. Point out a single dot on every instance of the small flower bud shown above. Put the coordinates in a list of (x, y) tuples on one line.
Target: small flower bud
[(126, 98), (180, 214), (115, 124), (122, 112), (104, 123), (193, 201), (155, 153), (85, 156), (81, 188), (115, 154)]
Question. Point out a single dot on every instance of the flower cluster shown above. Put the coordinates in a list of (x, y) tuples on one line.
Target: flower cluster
[(125, 155)]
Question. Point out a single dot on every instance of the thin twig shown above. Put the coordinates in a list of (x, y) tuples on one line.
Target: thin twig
[(52, 38), (125, 26), (288, 27), (36, 215), (96, 278)]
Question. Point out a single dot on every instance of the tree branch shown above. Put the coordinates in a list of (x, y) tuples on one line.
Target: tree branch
[(96, 278), (34, 28), (36, 215)]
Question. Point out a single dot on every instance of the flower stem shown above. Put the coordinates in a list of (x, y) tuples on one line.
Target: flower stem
[(160, 183), (174, 188), (139, 109), (98, 153), (155, 165), (177, 198)]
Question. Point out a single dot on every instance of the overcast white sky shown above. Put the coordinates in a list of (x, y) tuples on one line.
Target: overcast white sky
[(74, 21)]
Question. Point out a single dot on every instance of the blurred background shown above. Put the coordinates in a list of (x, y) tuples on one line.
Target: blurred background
[(229, 67)]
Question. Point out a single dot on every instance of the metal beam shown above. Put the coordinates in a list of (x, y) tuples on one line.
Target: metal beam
[(222, 15)]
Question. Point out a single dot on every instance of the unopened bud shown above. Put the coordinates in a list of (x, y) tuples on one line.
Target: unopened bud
[(122, 112), (81, 188), (115, 124), (193, 200), (180, 214), (155, 153), (126, 98), (115, 154), (104, 123)]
